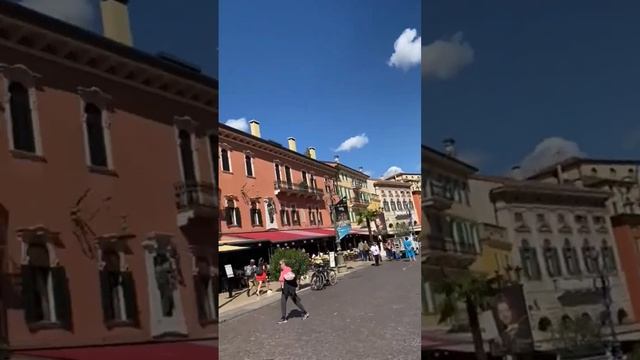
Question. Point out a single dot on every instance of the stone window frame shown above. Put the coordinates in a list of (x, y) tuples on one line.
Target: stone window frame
[(229, 150), (21, 74), (32, 235), (104, 102), (251, 157), (186, 123), (213, 163)]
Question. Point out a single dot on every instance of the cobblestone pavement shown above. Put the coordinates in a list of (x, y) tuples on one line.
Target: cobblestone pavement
[(370, 314)]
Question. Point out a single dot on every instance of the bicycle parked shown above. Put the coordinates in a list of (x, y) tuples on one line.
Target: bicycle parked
[(322, 276)]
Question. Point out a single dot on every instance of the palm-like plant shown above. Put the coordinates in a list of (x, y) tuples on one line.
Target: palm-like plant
[(472, 290), (367, 216)]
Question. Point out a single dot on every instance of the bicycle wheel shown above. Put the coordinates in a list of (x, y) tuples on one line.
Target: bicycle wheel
[(333, 277), (317, 283)]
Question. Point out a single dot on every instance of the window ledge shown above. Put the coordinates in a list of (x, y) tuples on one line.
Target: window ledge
[(119, 323), (19, 154), (102, 171), (44, 325), (227, 172), (251, 177), (208, 322), (232, 226)]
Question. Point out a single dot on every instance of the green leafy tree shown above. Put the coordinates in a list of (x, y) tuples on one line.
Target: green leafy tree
[(402, 230), (366, 217), (297, 260), (475, 292)]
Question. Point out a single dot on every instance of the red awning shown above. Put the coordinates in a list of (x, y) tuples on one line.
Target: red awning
[(324, 232), (160, 351)]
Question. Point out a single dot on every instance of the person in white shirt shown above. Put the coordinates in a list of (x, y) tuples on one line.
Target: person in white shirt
[(375, 251)]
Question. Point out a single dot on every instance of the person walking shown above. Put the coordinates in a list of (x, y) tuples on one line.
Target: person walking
[(261, 275), (250, 275), (375, 251), (361, 250), (366, 250), (289, 285), (408, 249)]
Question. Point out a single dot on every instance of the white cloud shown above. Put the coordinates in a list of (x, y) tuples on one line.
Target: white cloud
[(392, 171), (354, 142), (548, 152), (368, 172), (444, 59), (77, 12), (406, 50), (241, 124)]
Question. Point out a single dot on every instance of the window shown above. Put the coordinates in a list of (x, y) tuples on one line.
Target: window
[(541, 219), (313, 183), (320, 220), (551, 259), (599, 221), (278, 174), (186, 155), (405, 205), (312, 217), (385, 204), (287, 174), (608, 257), (256, 213), (96, 136), (117, 290), (225, 158), (393, 206), (518, 217), (590, 257), (295, 215), (248, 163), (22, 129), (304, 178), (570, 255), (399, 204), (213, 157), (232, 214), (529, 258), (561, 219), (284, 216), (205, 295)]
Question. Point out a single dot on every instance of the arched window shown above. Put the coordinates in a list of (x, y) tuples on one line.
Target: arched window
[(393, 206), (590, 257), (186, 154), (226, 162), (385, 204), (570, 255), (529, 258), (551, 259), (608, 257), (21, 118)]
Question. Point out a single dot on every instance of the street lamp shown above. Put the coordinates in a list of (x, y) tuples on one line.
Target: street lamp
[(605, 288)]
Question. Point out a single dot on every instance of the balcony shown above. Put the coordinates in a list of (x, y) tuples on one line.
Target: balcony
[(196, 200), (439, 197), (494, 236), (445, 252), (358, 203), (301, 190)]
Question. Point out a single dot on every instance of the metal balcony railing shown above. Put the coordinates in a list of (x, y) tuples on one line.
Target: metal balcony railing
[(299, 188), (195, 194), (440, 243)]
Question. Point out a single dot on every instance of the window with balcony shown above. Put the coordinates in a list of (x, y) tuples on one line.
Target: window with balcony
[(295, 216), (21, 120), (552, 259), (288, 176), (305, 181), (285, 216), (313, 183), (608, 257), (312, 217), (320, 220), (225, 159), (186, 155), (232, 214), (248, 165), (529, 259), (278, 173), (405, 205), (385, 205), (256, 214), (117, 289), (570, 255), (204, 287), (518, 217), (393, 206), (590, 257)]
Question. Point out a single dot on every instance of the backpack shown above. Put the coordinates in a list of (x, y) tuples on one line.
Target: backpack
[(248, 271), (260, 270)]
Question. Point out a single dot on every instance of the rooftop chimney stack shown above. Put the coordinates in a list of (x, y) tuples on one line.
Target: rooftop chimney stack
[(115, 21), (336, 159), (254, 126), (311, 152), (292, 144), (516, 173), (450, 147)]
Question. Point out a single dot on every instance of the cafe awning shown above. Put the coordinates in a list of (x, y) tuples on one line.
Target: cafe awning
[(228, 248)]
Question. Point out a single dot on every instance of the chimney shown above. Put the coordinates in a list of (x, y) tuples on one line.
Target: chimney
[(115, 21), (311, 152), (450, 147), (336, 159), (292, 144), (254, 125), (516, 174)]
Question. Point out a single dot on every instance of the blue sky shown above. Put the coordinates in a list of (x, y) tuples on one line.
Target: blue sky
[(318, 71), (187, 32), (526, 80)]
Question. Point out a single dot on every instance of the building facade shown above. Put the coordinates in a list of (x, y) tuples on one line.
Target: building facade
[(450, 242), (397, 206), (562, 243), (416, 190), (108, 204), (272, 196), (352, 185)]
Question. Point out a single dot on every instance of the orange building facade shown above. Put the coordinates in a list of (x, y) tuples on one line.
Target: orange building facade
[(626, 229), (271, 195), (108, 200)]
